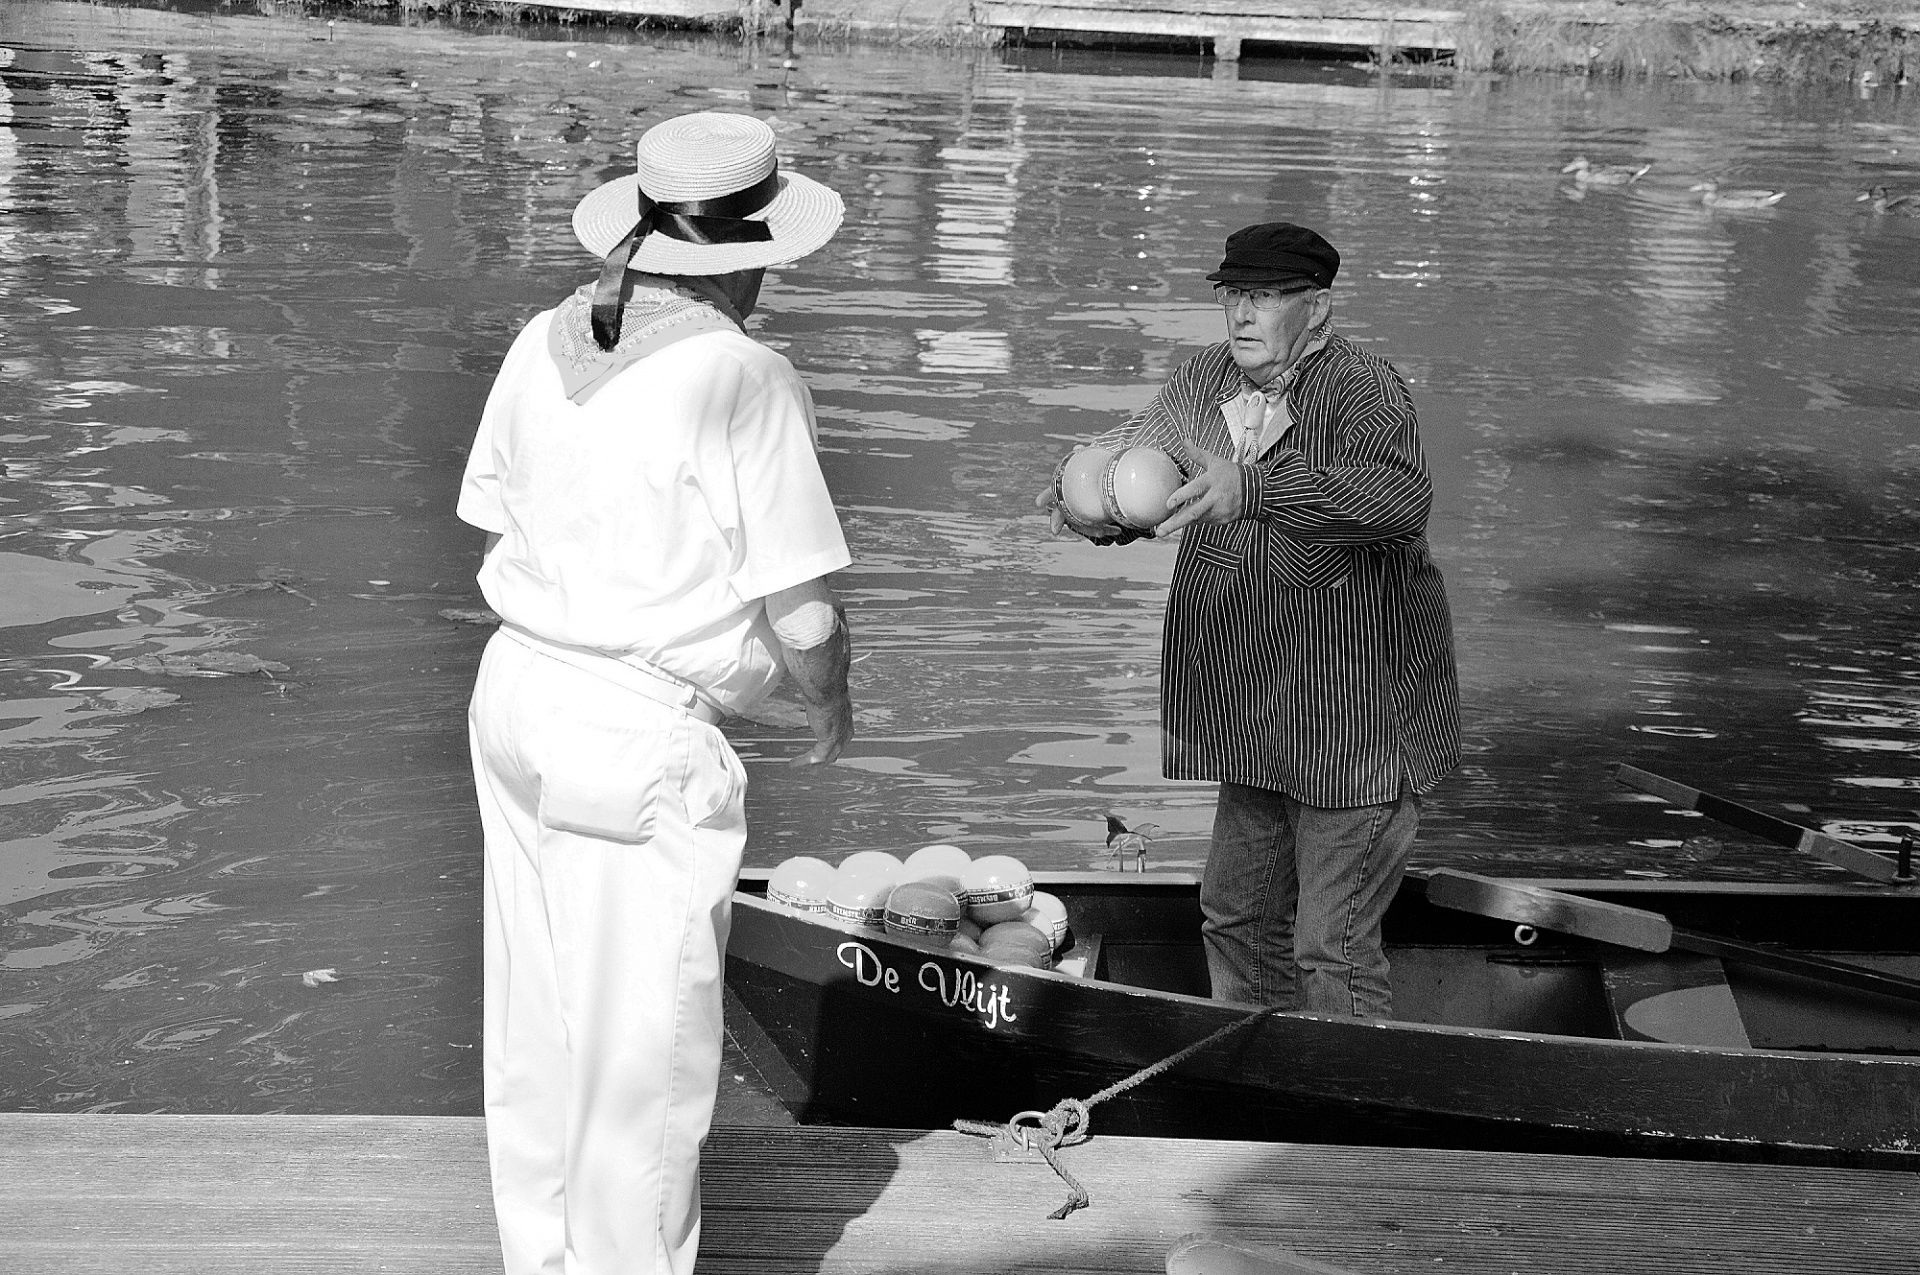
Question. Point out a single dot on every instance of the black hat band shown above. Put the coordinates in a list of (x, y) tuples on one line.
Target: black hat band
[(723, 219)]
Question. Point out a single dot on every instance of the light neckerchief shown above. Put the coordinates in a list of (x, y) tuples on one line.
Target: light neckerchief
[(657, 314), (1258, 416)]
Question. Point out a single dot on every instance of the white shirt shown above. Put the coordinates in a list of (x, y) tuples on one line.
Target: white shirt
[(652, 520), (1258, 417), (1255, 422)]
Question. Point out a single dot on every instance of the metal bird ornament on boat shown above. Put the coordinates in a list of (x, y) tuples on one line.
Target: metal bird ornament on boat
[(1587, 174), (1123, 841)]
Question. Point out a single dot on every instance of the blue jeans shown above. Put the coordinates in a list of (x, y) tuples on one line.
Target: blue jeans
[(1293, 897)]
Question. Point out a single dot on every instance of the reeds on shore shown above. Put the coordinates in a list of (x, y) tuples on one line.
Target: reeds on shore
[(1488, 38), (730, 18)]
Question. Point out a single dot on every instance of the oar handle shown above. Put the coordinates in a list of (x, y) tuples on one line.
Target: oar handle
[(1547, 909), (1638, 929)]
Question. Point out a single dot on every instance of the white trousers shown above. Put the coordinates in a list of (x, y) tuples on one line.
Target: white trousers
[(614, 825)]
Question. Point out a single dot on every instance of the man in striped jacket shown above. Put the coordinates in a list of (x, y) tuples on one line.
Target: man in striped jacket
[(1307, 664)]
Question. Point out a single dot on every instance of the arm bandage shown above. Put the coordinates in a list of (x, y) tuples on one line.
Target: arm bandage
[(805, 627)]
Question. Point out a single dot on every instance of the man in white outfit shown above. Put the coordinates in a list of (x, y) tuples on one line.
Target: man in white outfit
[(659, 537)]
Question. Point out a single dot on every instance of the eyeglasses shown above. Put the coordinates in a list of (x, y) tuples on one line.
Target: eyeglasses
[(1263, 298)]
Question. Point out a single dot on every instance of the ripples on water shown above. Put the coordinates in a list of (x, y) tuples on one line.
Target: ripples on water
[(254, 284)]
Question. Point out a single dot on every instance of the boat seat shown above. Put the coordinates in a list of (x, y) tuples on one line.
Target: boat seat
[(1675, 997)]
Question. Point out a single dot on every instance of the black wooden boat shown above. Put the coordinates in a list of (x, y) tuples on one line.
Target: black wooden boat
[(1509, 1038)]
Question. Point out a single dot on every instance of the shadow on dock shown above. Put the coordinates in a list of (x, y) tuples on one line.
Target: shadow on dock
[(222, 1195)]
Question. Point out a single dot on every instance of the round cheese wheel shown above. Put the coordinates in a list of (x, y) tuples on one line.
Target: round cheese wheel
[(935, 860), (921, 911), (999, 888), (801, 883), (1080, 485), (1137, 486)]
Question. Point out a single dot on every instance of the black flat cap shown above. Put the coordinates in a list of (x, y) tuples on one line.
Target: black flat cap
[(1277, 252)]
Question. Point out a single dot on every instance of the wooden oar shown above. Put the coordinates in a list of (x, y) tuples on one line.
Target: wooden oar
[(1545, 909), (1638, 929), (1761, 824)]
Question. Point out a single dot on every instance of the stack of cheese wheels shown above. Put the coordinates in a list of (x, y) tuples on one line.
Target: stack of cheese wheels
[(1103, 492), (938, 895)]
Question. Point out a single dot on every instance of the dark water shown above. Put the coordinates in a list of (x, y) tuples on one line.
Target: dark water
[(255, 273)]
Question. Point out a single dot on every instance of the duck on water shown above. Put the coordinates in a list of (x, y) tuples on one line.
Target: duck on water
[(1589, 174), (1883, 203), (1714, 196)]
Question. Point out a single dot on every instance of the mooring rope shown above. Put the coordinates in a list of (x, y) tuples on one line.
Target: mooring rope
[(1071, 1120)]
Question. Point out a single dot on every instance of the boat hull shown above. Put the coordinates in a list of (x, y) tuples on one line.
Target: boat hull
[(851, 1026)]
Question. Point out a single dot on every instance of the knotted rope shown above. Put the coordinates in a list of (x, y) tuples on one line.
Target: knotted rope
[(1071, 1120)]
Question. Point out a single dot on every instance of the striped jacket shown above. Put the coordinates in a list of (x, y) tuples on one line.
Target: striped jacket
[(1308, 645)]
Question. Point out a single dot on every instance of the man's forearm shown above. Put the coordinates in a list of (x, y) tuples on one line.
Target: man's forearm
[(1355, 504), (819, 674)]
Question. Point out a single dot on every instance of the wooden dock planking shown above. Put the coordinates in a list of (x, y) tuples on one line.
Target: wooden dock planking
[(267, 1195), (946, 1209), (704, 11), (113, 1195), (1227, 23), (1336, 24)]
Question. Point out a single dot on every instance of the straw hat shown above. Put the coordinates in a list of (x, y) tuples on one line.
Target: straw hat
[(705, 174)]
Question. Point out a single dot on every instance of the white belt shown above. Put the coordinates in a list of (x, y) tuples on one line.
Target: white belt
[(629, 672)]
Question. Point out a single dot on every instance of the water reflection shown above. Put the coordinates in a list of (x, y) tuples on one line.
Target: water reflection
[(1677, 286), (255, 285), (974, 223), (963, 351)]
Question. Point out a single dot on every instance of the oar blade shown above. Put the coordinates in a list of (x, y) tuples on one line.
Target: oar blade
[(1851, 857), (1747, 819), (1546, 909)]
